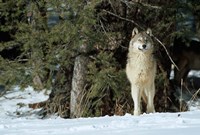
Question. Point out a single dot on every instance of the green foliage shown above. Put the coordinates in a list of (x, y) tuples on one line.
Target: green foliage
[(107, 81), (11, 14), (47, 48), (44, 48)]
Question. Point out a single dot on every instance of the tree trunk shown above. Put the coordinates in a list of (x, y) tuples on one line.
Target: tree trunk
[(78, 86)]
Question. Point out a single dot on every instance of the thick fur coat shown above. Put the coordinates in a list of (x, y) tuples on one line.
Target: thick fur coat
[(141, 70)]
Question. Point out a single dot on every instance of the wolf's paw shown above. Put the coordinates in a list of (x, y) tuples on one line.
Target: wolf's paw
[(150, 110), (137, 112)]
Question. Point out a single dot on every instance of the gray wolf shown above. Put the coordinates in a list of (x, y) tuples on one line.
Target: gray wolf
[(186, 54), (141, 69)]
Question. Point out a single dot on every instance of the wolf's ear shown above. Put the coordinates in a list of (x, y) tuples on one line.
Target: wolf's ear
[(149, 32), (135, 31)]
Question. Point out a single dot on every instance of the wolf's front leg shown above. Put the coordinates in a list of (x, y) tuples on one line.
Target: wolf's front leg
[(136, 95), (150, 99)]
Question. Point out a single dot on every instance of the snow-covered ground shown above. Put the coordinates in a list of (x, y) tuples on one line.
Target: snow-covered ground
[(13, 105)]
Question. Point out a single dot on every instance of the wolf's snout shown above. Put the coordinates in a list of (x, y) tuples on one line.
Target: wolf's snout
[(144, 46)]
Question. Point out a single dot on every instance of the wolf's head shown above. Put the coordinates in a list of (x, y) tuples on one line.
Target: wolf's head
[(141, 41)]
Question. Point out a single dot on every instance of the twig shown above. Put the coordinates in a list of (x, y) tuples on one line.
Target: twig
[(111, 39), (11, 98), (166, 52), (195, 94), (181, 96), (143, 4), (2, 93), (122, 18)]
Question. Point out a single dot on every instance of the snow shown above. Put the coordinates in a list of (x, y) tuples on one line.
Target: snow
[(17, 119)]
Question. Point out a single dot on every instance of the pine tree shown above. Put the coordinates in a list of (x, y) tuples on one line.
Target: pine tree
[(12, 13), (78, 50)]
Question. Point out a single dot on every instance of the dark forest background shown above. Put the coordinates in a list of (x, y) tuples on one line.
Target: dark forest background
[(78, 48)]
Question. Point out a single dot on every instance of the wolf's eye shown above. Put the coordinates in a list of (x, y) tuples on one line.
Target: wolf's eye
[(140, 39)]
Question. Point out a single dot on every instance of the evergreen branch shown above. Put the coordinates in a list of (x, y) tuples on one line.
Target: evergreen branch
[(125, 19)]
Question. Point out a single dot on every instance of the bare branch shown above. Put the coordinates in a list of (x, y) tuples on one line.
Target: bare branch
[(166, 51), (122, 18), (110, 38), (143, 4)]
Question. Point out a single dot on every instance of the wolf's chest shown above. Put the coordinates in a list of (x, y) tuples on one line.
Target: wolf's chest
[(142, 75), (140, 71)]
